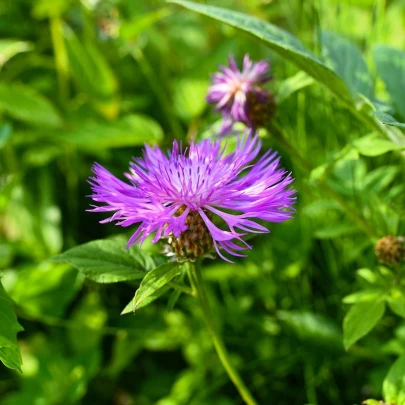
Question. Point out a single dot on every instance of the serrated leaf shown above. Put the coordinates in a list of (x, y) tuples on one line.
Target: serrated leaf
[(10, 353), (375, 145), (388, 120), (390, 63), (154, 281), (108, 261), (348, 62), (288, 46), (394, 383), (26, 104), (360, 320)]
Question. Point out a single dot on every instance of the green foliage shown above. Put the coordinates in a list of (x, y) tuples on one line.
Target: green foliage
[(360, 320), (10, 353), (95, 80), (108, 261)]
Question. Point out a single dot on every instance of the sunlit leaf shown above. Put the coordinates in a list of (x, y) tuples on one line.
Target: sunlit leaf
[(288, 46), (360, 320), (153, 282), (375, 145), (11, 47), (394, 383), (10, 353), (108, 261)]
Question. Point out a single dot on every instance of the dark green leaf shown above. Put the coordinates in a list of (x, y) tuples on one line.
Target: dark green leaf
[(390, 64), (348, 62), (108, 261), (25, 104), (394, 383), (360, 320), (154, 281), (288, 46), (10, 353)]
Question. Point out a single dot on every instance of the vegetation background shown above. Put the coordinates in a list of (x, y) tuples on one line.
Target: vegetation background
[(87, 80)]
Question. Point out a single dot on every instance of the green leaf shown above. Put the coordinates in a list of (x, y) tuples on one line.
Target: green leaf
[(396, 302), (5, 132), (131, 130), (10, 353), (91, 72), (291, 85), (189, 97), (108, 261), (153, 282), (360, 320), (394, 383), (27, 105), (288, 46), (388, 120), (129, 308), (390, 63), (11, 47), (332, 231), (375, 145), (46, 288), (348, 62), (129, 30), (362, 296)]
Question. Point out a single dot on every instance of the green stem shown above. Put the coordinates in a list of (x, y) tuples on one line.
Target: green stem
[(198, 286), (61, 58)]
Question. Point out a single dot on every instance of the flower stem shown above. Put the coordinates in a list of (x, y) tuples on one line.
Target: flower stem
[(198, 286)]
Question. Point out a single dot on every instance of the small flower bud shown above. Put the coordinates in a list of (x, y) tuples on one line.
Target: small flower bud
[(390, 249)]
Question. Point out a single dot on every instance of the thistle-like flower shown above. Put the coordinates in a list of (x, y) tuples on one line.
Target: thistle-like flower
[(179, 196), (240, 96)]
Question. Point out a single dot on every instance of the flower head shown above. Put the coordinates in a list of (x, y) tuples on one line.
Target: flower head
[(177, 196), (240, 96)]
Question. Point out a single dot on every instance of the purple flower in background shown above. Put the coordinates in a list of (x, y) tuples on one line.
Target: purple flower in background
[(240, 96), (177, 196)]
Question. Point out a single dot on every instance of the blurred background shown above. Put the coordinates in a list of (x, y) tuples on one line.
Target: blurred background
[(93, 80)]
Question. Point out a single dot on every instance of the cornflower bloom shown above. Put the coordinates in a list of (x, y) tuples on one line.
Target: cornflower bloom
[(239, 95), (176, 196)]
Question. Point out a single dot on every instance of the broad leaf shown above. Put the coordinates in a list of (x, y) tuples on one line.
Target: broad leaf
[(11, 47), (10, 353), (390, 64), (154, 281), (27, 105), (363, 296), (131, 130), (394, 383), (288, 46), (360, 320), (108, 261), (348, 62), (375, 145), (388, 120)]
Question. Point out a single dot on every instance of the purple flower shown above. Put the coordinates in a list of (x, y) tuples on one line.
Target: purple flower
[(177, 196), (239, 95)]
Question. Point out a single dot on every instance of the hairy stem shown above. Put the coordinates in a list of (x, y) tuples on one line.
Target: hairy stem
[(198, 286)]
